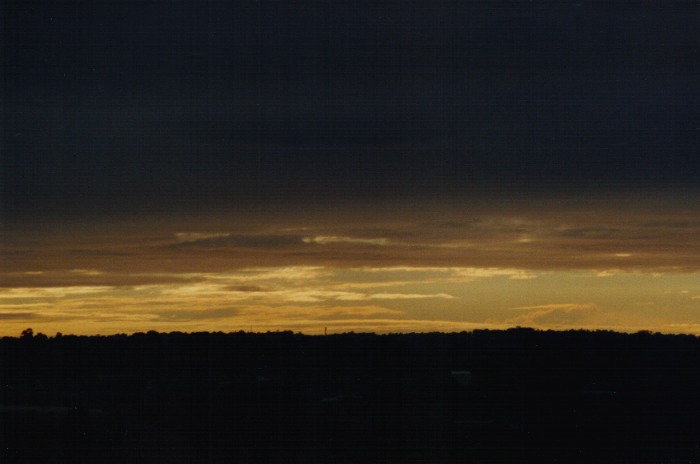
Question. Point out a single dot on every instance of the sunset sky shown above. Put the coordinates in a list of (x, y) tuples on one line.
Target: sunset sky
[(369, 166)]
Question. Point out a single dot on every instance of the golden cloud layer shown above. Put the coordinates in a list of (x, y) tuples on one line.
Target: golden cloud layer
[(455, 265)]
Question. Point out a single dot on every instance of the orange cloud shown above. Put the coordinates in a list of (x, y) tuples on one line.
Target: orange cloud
[(556, 315)]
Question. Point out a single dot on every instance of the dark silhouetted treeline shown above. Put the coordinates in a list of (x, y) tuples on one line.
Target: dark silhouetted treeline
[(481, 396)]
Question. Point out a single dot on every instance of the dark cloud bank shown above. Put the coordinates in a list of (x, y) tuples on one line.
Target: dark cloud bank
[(138, 104)]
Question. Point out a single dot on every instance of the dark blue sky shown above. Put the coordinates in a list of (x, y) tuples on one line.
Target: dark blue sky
[(108, 105)]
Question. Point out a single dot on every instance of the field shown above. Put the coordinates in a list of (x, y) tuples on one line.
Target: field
[(486, 396)]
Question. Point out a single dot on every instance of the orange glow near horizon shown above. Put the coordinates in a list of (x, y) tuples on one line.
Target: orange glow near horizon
[(443, 268)]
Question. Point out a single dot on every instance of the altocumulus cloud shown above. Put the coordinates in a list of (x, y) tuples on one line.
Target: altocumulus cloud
[(454, 274), (51, 292), (394, 296), (16, 316), (324, 240), (556, 314), (224, 240)]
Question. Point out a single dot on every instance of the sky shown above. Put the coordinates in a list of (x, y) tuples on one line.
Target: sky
[(392, 166)]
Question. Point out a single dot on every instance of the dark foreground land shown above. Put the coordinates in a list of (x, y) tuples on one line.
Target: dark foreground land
[(486, 396)]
